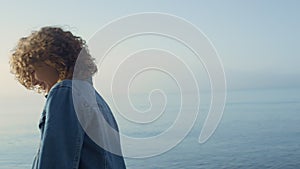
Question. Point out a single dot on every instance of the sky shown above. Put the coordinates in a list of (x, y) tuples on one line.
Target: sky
[(257, 41)]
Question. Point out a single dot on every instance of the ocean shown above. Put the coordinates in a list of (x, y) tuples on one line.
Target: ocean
[(260, 128)]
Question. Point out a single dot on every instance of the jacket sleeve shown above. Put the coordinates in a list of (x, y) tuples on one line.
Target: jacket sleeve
[(62, 137)]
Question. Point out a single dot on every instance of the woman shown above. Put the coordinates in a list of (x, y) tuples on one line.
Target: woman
[(45, 61)]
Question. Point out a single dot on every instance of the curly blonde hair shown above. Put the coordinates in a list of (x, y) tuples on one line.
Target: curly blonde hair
[(55, 47)]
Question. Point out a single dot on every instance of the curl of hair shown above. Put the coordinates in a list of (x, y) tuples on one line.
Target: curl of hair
[(55, 47)]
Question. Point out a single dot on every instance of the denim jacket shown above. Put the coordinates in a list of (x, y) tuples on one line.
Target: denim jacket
[(64, 143)]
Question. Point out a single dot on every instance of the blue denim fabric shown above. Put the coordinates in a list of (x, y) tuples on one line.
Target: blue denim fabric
[(64, 144)]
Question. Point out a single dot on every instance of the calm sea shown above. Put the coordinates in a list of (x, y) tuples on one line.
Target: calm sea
[(259, 129)]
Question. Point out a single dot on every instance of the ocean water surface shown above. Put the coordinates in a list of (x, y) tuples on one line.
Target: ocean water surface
[(259, 129)]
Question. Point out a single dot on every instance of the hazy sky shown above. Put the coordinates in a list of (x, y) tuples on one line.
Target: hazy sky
[(257, 41)]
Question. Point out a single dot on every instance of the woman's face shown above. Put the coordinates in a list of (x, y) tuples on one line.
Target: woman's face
[(46, 75)]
